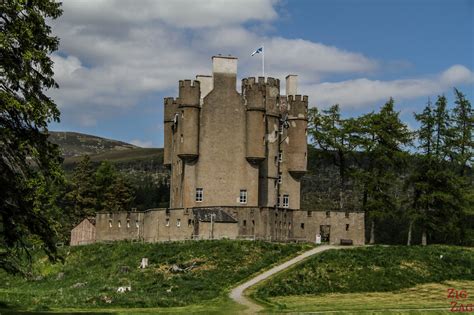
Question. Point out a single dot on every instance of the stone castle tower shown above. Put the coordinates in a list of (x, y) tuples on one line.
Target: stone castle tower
[(230, 149), (237, 160)]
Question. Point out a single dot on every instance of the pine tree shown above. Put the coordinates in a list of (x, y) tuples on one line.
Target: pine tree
[(332, 134), (83, 194), (28, 162), (462, 144), (382, 139)]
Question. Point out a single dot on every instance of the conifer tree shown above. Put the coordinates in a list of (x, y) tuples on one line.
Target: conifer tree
[(383, 138), (29, 163), (333, 134)]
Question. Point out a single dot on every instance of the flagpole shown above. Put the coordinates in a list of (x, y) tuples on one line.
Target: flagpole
[(263, 60)]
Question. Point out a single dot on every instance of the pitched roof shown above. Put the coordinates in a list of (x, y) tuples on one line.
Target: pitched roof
[(204, 215)]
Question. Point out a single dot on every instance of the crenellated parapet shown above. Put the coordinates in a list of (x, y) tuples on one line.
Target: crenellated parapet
[(189, 93)]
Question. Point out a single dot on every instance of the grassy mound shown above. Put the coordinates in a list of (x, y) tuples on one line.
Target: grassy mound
[(91, 274), (371, 269)]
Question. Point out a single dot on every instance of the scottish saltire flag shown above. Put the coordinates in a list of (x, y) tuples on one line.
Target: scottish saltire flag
[(259, 50)]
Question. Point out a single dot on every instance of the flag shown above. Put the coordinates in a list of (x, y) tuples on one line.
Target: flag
[(259, 50)]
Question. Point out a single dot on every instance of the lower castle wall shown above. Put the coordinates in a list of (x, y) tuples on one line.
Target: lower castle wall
[(156, 225)]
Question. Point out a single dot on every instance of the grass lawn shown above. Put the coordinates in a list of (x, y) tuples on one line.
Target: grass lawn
[(90, 276), (432, 296)]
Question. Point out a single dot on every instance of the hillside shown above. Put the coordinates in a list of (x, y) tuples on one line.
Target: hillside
[(179, 274), (77, 144), (372, 269)]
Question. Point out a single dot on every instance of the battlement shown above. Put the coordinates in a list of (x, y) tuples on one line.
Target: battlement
[(298, 106), (171, 105), (189, 84), (251, 82), (189, 93)]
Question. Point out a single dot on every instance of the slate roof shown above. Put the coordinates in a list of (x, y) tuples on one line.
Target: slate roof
[(204, 215)]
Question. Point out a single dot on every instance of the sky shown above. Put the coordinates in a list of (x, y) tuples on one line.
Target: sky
[(118, 59)]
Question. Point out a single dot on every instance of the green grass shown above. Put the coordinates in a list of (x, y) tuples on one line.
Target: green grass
[(219, 265), (414, 300), (371, 269)]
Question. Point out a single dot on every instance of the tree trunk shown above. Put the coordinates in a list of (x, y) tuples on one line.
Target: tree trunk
[(409, 233), (423, 237), (372, 233)]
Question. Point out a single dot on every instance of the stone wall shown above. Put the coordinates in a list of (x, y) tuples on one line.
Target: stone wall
[(83, 233)]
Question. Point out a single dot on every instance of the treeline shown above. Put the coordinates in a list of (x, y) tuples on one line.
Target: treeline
[(92, 188), (421, 178)]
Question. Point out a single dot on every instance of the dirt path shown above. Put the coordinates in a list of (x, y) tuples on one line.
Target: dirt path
[(237, 293)]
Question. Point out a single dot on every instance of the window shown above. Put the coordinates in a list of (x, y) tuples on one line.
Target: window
[(302, 226), (347, 227), (280, 128), (245, 222), (167, 222), (280, 157), (190, 222), (178, 222), (199, 194), (279, 179), (309, 213), (253, 222), (278, 201), (182, 138), (243, 196), (346, 214), (110, 223), (328, 214), (286, 201), (136, 224), (128, 224), (119, 224)]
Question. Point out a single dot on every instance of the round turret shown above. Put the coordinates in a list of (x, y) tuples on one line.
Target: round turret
[(171, 107), (297, 135), (188, 111)]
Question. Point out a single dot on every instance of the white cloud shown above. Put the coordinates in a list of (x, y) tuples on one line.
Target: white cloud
[(364, 92), (142, 144)]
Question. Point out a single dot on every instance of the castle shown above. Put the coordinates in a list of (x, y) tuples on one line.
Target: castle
[(236, 166)]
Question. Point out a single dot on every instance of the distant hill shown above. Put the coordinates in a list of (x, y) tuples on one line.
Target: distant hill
[(78, 144)]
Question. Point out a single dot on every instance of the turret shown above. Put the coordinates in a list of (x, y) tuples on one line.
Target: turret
[(254, 99), (189, 107), (171, 108), (297, 134)]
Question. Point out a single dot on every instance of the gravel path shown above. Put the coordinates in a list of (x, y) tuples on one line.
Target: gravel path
[(237, 294)]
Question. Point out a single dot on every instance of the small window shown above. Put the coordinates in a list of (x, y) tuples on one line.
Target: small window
[(110, 223), (243, 196), (245, 222), (136, 224), (289, 226), (119, 224), (278, 201), (276, 133), (280, 128), (309, 213), (167, 222), (328, 214), (253, 222), (302, 226), (347, 227), (178, 222), (199, 194), (286, 201), (280, 180), (280, 157), (190, 222), (182, 138), (128, 224), (347, 214)]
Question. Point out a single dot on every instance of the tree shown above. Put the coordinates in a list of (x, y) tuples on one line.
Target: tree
[(462, 123), (82, 196), (333, 135), (382, 140), (438, 197), (113, 192), (29, 162)]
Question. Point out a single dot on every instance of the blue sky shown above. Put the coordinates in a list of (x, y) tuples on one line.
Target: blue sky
[(118, 59)]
